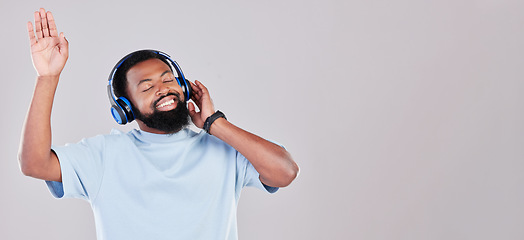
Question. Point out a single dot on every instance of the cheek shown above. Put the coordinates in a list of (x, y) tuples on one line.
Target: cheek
[(143, 103), (179, 90)]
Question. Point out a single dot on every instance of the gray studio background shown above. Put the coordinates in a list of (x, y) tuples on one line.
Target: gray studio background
[(406, 117)]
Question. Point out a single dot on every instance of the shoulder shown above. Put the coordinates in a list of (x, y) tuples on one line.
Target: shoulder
[(101, 140)]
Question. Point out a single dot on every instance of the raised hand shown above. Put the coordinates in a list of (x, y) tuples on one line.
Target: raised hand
[(202, 99), (49, 50), (274, 164)]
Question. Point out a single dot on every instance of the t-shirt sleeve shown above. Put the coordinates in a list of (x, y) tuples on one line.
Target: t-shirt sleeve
[(82, 169), (250, 176)]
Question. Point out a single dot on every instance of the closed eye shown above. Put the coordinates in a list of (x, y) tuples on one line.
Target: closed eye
[(147, 89)]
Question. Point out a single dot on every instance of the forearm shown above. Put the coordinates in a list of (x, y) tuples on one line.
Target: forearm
[(273, 163), (35, 147)]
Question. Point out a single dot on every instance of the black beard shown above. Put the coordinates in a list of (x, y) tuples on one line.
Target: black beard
[(166, 121)]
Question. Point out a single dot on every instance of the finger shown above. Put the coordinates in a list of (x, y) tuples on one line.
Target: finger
[(202, 87), (196, 92), (205, 96), (64, 45), (63, 39), (38, 26), (45, 27), (196, 99), (32, 38), (52, 26), (194, 87)]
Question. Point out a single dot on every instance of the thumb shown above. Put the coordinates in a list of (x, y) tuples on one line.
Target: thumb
[(191, 109), (63, 38), (64, 44), (195, 116)]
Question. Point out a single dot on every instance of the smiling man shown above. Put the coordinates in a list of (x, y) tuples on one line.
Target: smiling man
[(156, 110), (161, 181)]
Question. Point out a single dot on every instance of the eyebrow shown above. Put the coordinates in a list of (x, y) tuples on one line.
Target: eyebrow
[(149, 79)]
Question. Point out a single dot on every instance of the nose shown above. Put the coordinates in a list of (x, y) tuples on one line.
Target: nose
[(162, 90)]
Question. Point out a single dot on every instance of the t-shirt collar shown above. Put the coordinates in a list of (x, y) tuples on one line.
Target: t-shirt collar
[(154, 137)]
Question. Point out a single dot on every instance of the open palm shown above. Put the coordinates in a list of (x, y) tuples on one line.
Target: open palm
[(49, 50)]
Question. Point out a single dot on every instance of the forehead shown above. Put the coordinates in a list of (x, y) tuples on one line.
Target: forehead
[(148, 69)]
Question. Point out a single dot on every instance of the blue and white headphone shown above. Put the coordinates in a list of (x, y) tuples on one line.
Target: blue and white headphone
[(121, 107)]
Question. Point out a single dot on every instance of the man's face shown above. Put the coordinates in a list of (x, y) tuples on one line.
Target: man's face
[(148, 82), (157, 98)]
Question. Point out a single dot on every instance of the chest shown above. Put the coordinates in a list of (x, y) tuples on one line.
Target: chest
[(154, 175)]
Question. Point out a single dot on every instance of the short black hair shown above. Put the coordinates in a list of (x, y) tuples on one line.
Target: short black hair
[(120, 78)]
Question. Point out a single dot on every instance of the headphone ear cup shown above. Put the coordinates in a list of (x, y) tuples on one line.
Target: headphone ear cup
[(186, 88), (118, 115), (189, 91), (123, 113), (126, 107)]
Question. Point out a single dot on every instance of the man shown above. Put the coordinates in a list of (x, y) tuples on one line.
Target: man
[(162, 181)]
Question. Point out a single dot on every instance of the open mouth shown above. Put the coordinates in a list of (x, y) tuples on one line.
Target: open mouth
[(166, 103)]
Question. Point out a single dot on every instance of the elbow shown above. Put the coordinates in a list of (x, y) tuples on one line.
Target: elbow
[(26, 167), (287, 175), (280, 178), (29, 172), (292, 170), (289, 172), (290, 175)]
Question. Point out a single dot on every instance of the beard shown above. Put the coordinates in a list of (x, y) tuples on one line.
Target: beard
[(167, 121)]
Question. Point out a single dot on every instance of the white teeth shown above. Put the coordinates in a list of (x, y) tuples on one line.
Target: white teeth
[(166, 103)]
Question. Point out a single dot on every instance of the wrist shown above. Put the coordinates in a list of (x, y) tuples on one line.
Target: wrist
[(47, 83), (47, 78), (217, 126), (212, 119)]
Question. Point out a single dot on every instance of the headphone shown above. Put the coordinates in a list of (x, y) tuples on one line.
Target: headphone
[(121, 107)]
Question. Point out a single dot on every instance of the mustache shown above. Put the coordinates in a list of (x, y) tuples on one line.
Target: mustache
[(168, 94)]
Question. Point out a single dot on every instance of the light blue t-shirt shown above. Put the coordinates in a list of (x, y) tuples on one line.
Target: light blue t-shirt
[(153, 186)]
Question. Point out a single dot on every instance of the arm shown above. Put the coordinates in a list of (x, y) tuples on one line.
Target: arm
[(49, 52), (273, 163)]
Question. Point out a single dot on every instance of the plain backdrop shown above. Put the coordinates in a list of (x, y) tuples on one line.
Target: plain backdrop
[(406, 117)]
